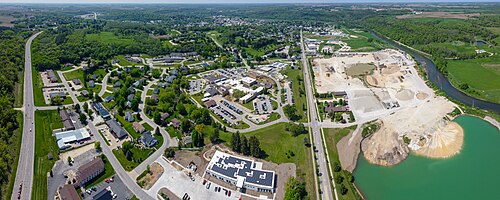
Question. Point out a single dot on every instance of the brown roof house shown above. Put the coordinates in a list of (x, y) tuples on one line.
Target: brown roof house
[(210, 103), (89, 171), (176, 123), (68, 192), (138, 127)]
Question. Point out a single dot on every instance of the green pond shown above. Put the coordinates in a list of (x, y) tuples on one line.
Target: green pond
[(472, 174)]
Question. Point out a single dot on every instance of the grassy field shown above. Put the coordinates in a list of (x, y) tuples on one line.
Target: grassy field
[(124, 62), (108, 172), (359, 42), (78, 74), (13, 148), (482, 75), (332, 137), (19, 90), (300, 100), (108, 38), (138, 155), (277, 143), (37, 88), (45, 121)]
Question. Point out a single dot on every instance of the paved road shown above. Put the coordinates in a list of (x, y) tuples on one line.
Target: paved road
[(326, 191), (167, 140), (127, 180), (24, 174)]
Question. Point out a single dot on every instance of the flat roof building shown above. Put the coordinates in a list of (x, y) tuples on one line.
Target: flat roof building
[(52, 76), (66, 138), (241, 172)]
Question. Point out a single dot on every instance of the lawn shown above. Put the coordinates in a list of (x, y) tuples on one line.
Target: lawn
[(37, 88), (300, 100), (124, 62), (45, 122), (277, 145), (13, 149), (482, 75), (138, 155), (127, 126), (108, 172), (333, 136), (77, 74)]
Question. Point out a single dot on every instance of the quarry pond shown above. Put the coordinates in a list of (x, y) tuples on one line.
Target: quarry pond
[(471, 174)]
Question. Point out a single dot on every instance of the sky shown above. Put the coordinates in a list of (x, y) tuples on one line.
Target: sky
[(236, 1)]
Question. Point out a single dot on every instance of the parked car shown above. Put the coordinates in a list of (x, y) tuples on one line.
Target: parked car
[(208, 185)]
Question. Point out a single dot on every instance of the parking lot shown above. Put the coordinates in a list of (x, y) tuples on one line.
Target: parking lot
[(180, 184), (263, 105), (117, 186)]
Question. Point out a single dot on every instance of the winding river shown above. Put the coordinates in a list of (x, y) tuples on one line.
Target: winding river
[(441, 81)]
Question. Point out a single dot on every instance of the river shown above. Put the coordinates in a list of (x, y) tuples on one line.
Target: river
[(471, 174), (441, 81)]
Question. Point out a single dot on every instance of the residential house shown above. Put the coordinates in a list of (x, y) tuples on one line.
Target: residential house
[(129, 117), (116, 129), (130, 97), (65, 118), (91, 84), (148, 139), (210, 103), (176, 123), (156, 90), (138, 127), (154, 97), (85, 93), (76, 81), (109, 98)]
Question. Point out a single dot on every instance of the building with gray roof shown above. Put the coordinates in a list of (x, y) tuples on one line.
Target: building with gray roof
[(116, 129), (241, 172), (148, 139)]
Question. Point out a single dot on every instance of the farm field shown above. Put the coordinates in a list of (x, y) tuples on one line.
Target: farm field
[(481, 75)]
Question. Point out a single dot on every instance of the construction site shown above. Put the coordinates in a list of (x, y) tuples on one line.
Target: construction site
[(384, 86)]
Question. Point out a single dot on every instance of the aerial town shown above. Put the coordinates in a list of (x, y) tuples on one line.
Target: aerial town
[(166, 101)]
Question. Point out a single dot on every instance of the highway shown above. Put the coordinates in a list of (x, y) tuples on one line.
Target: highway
[(324, 180), (24, 173)]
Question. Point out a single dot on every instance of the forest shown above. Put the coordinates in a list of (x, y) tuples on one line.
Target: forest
[(12, 62)]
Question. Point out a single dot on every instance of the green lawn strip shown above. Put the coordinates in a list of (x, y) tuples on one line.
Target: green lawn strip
[(148, 127), (19, 90), (105, 139), (124, 62), (77, 74), (248, 105), (127, 126), (300, 100), (108, 172), (45, 122), (332, 137), (138, 155), (68, 100), (14, 149), (37, 88), (278, 143)]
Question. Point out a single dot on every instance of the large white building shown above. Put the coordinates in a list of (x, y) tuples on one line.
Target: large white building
[(241, 172)]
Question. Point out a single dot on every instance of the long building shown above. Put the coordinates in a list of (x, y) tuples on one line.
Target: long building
[(66, 138), (241, 172), (89, 171)]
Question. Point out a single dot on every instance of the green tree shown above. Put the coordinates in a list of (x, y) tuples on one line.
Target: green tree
[(254, 144), (214, 137), (236, 142), (97, 145), (245, 147), (295, 189)]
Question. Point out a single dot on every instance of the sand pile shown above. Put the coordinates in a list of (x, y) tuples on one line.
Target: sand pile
[(405, 95), (446, 141), (422, 95), (384, 148)]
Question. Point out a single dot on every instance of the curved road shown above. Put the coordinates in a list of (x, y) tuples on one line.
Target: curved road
[(24, 173)]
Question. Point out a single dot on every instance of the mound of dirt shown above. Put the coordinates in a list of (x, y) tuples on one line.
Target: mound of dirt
[(422, 95), (445, 142), (372, 81), (405, 95)]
